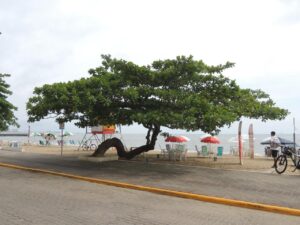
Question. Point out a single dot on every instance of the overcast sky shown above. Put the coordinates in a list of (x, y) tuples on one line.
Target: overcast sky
[(47, 41)]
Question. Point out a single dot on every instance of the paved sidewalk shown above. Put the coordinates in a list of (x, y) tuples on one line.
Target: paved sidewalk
[(35, 199), (240, 185)]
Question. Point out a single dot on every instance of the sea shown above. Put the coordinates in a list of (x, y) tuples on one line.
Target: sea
[(227, 141)]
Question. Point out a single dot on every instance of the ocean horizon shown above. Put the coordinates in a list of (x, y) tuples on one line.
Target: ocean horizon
[(227, 141)]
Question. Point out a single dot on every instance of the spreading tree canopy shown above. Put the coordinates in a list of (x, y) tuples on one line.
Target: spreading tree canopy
[(181, 93), (7, 117)]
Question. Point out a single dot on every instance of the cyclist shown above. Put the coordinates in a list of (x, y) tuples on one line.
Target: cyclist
[(274, 145)]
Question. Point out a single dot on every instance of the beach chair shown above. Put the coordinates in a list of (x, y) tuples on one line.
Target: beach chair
[(170, 151), (204, 150), (181, 150), (164, 152), (220, 151), (234, 150)]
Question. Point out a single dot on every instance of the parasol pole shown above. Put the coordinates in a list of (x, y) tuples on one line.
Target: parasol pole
[(240, 142)]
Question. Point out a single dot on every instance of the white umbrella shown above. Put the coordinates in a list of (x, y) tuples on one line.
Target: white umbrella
[(49, 136), (204, 136), (67, 133), (235, 139), (35, 134)]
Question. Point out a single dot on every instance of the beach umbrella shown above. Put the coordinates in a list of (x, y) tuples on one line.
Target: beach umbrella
[(177, 139), (210, 140), (35, 134), (67, 133), (235, 139), (49, 136), (283, 141), (204, 136)]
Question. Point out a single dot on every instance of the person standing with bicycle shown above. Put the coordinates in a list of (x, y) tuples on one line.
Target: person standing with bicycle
[(274, 146)]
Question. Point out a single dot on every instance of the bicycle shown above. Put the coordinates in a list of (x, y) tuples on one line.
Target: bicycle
[(282, 160), (89, 146)]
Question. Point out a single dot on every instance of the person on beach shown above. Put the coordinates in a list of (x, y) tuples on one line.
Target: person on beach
[(274, 145)]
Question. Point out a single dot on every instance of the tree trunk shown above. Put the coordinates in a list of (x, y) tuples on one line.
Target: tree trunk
[(122, 153)]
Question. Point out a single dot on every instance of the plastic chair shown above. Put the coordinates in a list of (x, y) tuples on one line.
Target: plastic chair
[(164, 151), (220, 151), (181, 151), (171, 152), (204, 150)]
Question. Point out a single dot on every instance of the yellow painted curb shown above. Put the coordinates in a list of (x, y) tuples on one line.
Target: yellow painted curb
[(224, 201)]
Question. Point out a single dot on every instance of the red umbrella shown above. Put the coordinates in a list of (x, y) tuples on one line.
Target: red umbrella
[(177, 139), (211, 140)]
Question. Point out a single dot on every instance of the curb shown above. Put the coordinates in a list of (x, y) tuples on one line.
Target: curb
[(179, 194)]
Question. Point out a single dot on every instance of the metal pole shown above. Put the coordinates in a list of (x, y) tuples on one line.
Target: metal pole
[(62, 127), (62, 142), (294, 140), (28, 134)]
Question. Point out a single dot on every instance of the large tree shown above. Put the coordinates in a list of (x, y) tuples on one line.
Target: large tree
[(7, 117), (182, 93)]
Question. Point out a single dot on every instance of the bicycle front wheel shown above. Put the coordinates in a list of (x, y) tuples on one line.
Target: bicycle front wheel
[(93, 147), (281, 164)]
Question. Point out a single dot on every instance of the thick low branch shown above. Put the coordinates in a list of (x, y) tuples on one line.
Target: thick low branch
[(122, 153)]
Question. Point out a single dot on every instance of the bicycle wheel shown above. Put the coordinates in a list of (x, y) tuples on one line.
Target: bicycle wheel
[(93, 147), (281, 164), (85, 147)]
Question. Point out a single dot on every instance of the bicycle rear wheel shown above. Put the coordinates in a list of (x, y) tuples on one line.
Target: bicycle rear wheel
[(281, 164), (85, 147)]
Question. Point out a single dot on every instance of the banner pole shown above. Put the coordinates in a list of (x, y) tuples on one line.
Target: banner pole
[(251, 141), (240, 142)]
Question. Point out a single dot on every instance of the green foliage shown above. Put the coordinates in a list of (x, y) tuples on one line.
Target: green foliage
[(182, 93), (7, 117)]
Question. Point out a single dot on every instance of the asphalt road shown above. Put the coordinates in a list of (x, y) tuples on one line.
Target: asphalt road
[(38, 199)]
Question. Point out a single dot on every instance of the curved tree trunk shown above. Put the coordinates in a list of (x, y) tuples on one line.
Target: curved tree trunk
[(122, 153)]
